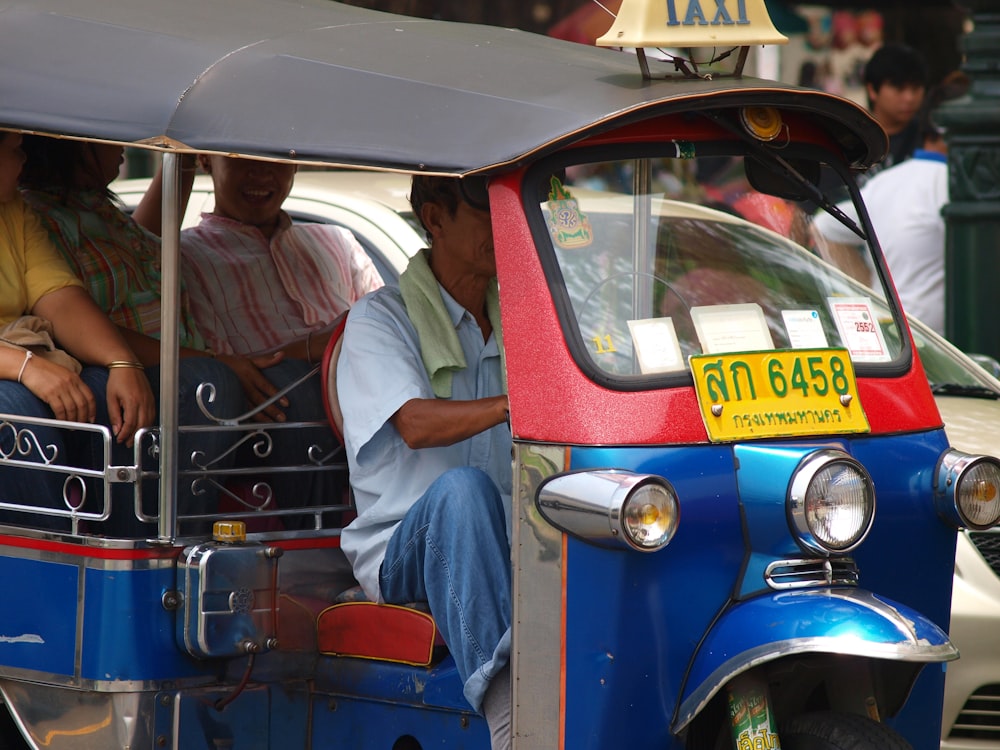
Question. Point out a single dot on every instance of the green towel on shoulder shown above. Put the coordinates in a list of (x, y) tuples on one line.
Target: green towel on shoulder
[(440, 349)]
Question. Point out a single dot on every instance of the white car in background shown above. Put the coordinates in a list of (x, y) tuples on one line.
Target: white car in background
[(971, 719), (375, 207)]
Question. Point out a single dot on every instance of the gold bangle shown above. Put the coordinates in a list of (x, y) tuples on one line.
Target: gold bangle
[(125, 363)]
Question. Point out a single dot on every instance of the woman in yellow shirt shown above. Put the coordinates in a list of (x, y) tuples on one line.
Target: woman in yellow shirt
[(35, 280)]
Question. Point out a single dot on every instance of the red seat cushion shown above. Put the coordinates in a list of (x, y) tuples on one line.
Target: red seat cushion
[(386, 632)]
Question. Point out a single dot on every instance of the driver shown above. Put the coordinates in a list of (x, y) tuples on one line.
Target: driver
[(421, 386)]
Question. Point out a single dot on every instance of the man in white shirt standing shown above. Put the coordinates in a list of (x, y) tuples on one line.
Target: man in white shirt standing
[(904, 203)]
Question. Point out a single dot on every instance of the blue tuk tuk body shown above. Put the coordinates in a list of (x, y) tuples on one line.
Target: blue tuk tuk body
[(644, 637), (732, 488)]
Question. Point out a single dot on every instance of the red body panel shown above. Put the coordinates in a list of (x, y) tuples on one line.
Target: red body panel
[(553, 401)]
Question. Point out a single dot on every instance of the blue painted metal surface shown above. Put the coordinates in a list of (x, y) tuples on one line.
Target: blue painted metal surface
[(372, 704), (646, 630), (127, 604), (846, 621), (359, 723), (638, 619), (30, 639), (438, 685), (125, 634), (765, 472)]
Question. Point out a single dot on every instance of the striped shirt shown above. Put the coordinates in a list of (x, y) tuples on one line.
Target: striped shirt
[(117, 259), (251, 295)]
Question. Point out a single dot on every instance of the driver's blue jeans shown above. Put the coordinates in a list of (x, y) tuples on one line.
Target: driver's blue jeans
[(451, 551)]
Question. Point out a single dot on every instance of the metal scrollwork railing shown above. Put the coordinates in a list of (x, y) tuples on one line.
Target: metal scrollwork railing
[(56, 483), (24, 443), (230, 467), (206, 395)]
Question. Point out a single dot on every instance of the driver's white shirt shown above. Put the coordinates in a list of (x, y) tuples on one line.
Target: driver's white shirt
[(379, 370)]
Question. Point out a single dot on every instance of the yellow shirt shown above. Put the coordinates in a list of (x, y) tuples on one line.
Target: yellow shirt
[(30, 266)]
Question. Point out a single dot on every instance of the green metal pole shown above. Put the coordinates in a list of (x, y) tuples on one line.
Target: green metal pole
[(972, 217)]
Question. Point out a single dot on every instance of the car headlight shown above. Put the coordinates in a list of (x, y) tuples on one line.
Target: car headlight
[(967, 489), (831, 502), (612, 508)]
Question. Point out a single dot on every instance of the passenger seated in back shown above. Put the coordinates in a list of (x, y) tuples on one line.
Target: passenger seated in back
[(38, 382), (119, 262), (264, 288)]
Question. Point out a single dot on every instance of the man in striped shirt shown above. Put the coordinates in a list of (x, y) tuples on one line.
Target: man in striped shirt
[(261, 285)]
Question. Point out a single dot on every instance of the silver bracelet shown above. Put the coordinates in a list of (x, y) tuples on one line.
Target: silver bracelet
[(27, 355)]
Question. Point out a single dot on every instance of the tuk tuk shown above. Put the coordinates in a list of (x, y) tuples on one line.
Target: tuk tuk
[(734, 510)]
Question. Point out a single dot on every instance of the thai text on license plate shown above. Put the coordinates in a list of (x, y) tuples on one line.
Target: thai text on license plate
[(750, 395)]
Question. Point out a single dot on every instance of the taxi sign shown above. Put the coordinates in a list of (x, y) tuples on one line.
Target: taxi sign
[(753, 395), (691, 23)]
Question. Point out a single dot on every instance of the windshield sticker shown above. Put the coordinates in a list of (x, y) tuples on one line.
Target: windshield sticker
[(859, 329), (805, 329), (731, 328), (569, 226), (656, 345)]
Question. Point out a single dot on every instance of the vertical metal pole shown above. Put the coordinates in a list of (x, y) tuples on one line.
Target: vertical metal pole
[(972, 217), (642, 250), (169, 313)]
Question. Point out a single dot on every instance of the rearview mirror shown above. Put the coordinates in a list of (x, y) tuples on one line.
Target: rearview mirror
[(774, 179)]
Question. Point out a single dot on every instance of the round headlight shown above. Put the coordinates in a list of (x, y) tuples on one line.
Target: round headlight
[(612, 508), (831, 502), (972, 484), (649, 516)]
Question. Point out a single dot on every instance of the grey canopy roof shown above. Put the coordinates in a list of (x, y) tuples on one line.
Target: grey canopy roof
[(315, 80)]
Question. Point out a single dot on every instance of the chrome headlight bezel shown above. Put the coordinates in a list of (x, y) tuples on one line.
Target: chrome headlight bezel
[(600, 506), (801, 503), (954, 493)]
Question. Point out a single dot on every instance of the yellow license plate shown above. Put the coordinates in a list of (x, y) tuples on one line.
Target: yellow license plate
[(777, 394)]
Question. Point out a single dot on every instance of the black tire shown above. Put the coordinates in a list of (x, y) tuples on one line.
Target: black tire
[(828, 730)]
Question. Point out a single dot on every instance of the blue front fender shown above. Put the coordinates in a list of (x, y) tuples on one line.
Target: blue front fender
[(833, 621)]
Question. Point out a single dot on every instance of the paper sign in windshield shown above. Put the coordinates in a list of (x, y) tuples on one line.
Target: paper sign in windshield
[(805, 329), (859, 329), (656, 345), (731, 328)]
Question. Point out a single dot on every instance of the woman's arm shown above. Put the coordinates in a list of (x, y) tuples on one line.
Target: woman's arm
[(85, 332), (62, 390)]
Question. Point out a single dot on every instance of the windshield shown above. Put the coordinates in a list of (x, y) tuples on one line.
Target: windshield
[(670, 257)]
